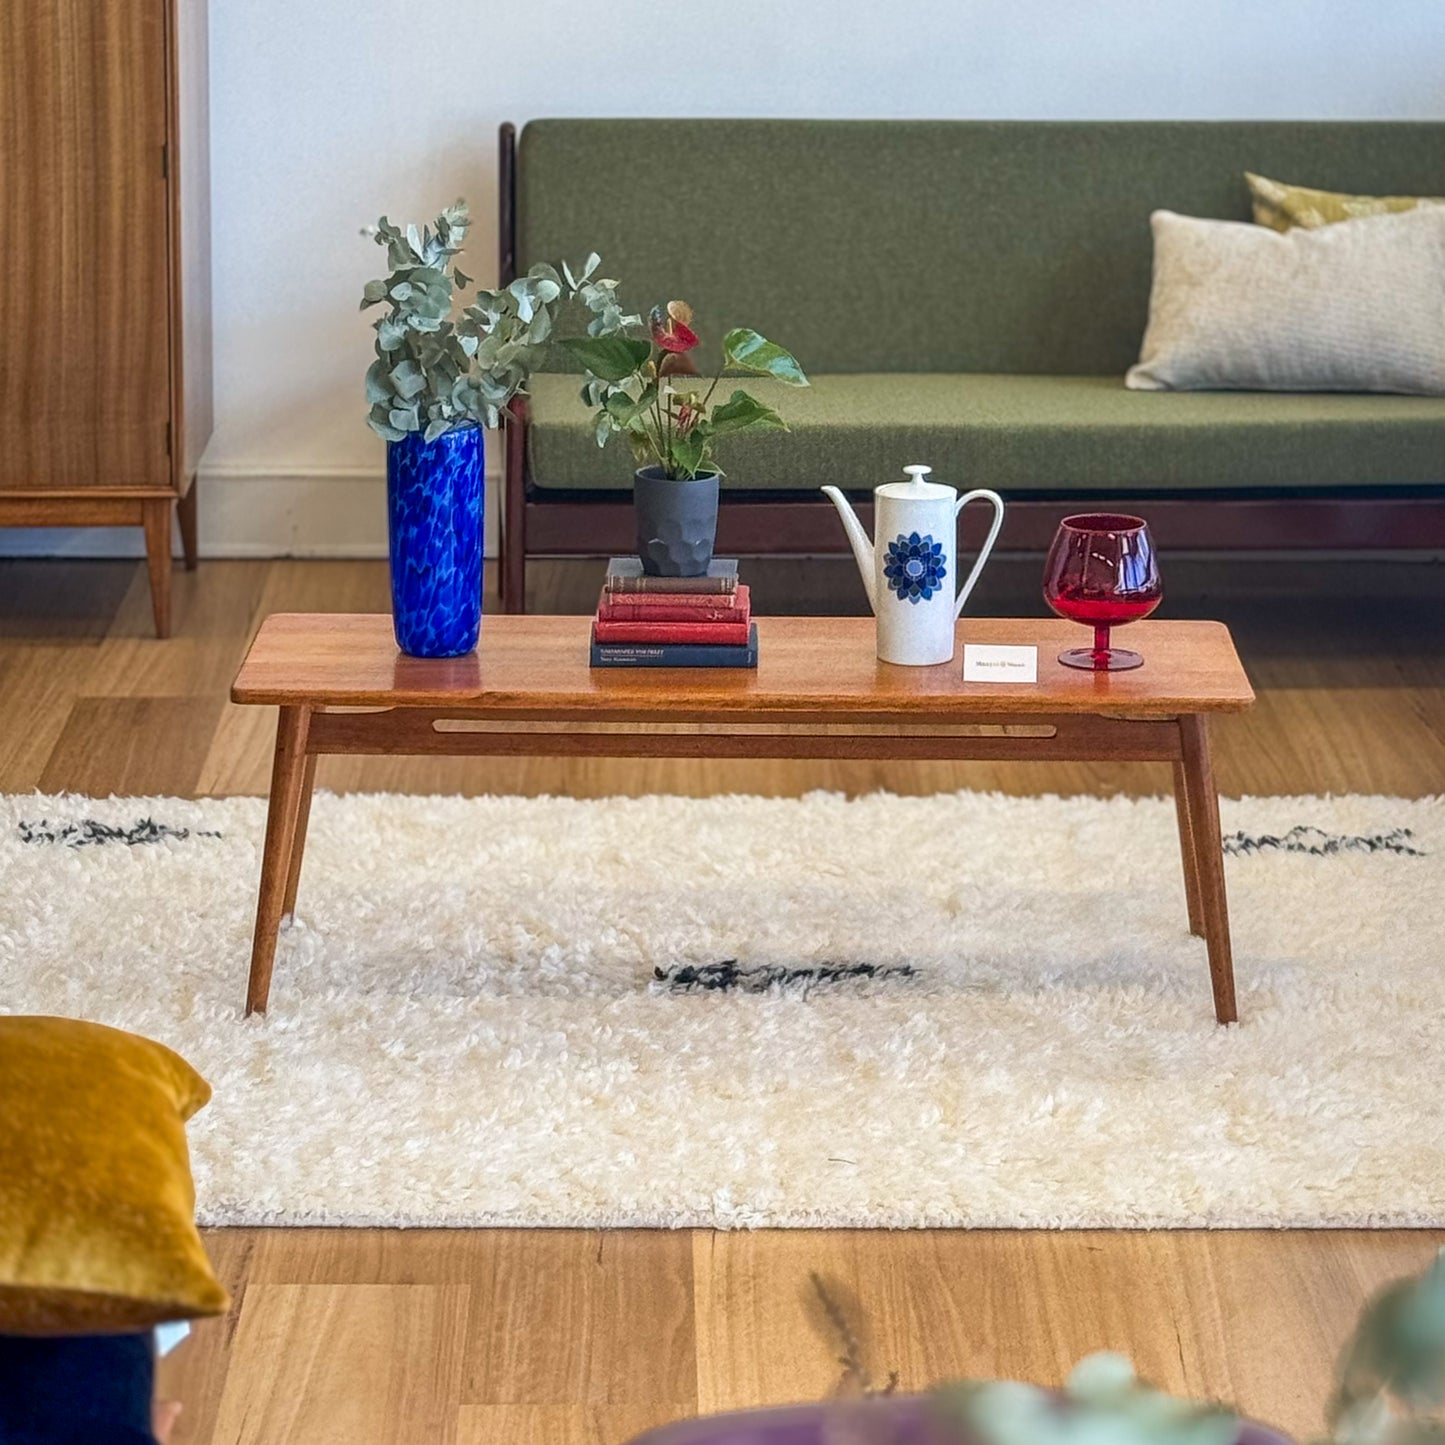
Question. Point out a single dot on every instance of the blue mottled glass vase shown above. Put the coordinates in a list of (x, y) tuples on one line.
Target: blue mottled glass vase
[(434, 510)]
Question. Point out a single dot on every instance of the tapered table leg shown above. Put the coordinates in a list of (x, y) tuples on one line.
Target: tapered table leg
[(298, 843), (1203, 809), (1186, 853), (288, 770)]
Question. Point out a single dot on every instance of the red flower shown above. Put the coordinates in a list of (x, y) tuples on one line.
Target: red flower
[(670, 329)]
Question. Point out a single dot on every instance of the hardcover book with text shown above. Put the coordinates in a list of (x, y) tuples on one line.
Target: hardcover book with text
[(625, 574), (674, 654)]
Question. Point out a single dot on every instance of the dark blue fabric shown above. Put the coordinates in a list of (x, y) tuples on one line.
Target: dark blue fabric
[(82, 1390)]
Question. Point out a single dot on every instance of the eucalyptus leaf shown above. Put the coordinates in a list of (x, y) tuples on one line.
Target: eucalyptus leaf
[(408, 380), (435, 370), (376, 386)]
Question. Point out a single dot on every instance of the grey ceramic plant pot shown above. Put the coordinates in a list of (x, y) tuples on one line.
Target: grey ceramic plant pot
[(676, 522)]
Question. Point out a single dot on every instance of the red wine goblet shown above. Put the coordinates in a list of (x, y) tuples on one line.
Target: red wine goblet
[(1101, 572)]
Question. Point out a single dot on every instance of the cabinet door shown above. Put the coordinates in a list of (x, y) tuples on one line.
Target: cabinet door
[(84, 288)]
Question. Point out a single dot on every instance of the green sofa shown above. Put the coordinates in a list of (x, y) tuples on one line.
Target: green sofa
[(967, 294)]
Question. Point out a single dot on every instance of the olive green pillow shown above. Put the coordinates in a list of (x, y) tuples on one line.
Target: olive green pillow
[(1281, 206), (97, 1209)]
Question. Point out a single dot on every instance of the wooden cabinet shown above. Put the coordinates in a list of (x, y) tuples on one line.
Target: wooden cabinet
[(105, 346)]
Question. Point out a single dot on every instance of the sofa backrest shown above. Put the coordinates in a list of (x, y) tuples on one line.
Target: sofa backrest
[(1008, 246)]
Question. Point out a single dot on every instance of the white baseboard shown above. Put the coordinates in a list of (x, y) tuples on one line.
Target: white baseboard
[(296, 511)]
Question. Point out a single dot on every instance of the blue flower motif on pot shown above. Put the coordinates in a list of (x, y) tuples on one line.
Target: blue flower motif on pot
[(915, 567)]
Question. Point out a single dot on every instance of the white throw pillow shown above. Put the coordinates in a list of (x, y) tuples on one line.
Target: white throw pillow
[(1358, 306)]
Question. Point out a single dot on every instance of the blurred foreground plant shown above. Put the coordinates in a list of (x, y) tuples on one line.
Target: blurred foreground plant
[(1391, 1389)]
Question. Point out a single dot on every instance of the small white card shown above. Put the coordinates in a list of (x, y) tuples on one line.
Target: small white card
[(1000, 664)]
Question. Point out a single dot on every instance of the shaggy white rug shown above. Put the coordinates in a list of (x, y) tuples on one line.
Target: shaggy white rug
[(466, 1026)]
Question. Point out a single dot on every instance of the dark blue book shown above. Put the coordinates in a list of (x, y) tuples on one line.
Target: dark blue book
[(675, 654)]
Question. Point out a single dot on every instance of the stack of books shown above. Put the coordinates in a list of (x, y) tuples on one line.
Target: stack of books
[(647, 621)]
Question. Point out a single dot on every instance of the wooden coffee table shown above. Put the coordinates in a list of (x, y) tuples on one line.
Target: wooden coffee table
[(818, 692)]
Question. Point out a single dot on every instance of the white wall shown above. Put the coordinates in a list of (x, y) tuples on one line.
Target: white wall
[(327, 112)]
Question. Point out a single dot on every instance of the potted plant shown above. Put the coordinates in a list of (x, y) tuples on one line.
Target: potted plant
[(647, 388), (435, 383)]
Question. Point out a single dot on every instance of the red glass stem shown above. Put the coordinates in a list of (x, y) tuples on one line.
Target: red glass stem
[(1101, 639)]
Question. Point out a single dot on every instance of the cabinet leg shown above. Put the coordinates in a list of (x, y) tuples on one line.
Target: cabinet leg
[(288, 773), (186, 515), (156, 518), (1186, 852), (1203, 810)]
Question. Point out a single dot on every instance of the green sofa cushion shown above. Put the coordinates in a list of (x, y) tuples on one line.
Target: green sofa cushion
[(1031, 433), (937, 246)]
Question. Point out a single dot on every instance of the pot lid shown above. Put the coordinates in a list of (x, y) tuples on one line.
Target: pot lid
[(915, 489)]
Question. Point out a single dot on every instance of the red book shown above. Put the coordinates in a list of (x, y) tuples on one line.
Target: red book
[(724, 634), (674, 607)]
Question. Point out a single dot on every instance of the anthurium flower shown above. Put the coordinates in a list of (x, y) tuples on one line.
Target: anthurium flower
[(670, 329), (677, 363)]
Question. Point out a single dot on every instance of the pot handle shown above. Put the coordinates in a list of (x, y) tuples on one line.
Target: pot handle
[(992, 537)]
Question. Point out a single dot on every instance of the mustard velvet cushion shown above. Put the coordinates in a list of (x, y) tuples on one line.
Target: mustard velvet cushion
[(97, 1207), (1281, 206)]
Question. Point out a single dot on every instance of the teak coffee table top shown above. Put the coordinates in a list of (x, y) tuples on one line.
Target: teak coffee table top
[(530, 665), (818, 692)]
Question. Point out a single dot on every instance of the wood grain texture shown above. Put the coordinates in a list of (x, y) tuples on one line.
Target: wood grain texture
[(289, 773), (83, 225), (189, 247), (335, 1375), (806, 665), (105, 229), (1350, 667), (108, 745)]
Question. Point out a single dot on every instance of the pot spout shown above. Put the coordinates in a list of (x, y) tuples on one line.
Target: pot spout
[(858, 538)]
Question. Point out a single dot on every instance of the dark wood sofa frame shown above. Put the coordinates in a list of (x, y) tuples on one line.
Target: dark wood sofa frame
[(537, 522)]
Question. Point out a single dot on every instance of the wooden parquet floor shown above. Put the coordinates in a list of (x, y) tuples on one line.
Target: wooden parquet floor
[(584, 1338)]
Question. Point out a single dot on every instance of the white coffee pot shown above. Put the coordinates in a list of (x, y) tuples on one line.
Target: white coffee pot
[(909, 573)]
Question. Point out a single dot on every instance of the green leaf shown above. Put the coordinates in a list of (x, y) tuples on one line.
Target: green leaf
[(434, 429), (624, 410), (688, 453), (372, 292), (603, 429), (756, 353), (613, 358), (742, 412), (404, 419)]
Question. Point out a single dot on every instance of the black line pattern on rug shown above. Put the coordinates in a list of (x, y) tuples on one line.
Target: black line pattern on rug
[(91, 832), (1320, 844), (731, 976)]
